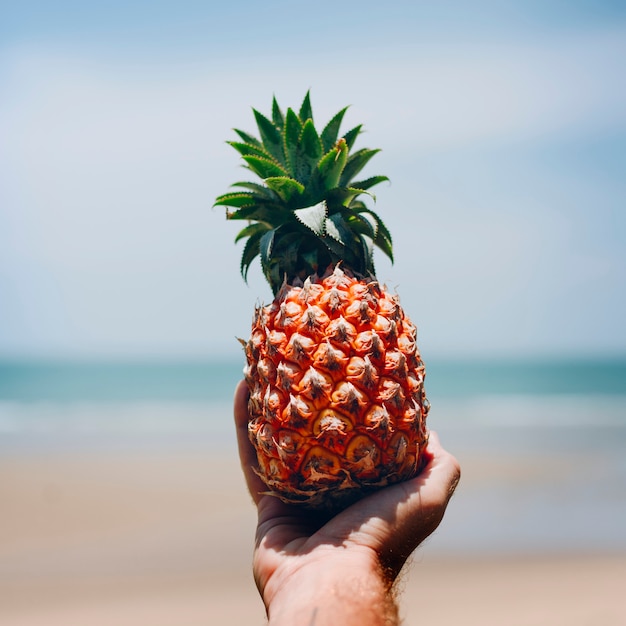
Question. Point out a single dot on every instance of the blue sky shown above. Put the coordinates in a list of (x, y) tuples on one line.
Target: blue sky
[(503, 129)]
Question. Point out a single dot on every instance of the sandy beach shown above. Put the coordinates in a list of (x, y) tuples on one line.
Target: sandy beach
[(152, 537)]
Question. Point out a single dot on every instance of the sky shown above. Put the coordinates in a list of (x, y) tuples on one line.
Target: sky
[(502, 127)]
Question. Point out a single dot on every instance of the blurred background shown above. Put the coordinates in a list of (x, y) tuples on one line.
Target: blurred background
[(503, 130)]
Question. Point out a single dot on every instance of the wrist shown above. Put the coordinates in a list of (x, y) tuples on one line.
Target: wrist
[(351, 591)]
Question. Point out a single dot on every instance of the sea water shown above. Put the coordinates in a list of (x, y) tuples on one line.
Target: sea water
[(185, 396), (542, 443)]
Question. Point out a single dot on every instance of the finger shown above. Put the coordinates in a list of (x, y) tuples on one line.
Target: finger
[(444, 464), (395, 520), (425, 499), (428, 494), (247, 455)]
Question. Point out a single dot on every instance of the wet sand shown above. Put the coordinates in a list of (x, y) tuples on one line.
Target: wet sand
[(164, 537)]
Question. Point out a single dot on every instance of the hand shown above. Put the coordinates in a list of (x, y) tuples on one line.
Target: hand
[(316, 568)]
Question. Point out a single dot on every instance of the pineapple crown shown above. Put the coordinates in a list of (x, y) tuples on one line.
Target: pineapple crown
[(308, 214)]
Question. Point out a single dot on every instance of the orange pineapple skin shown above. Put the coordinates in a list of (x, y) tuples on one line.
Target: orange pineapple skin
[(337, 402)]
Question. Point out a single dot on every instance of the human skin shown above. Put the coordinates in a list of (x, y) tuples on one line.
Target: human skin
[(322, 569)]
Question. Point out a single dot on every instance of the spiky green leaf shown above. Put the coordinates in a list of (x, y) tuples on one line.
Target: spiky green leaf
[(247, 148), (235, 199), (385, 245), (287, 188), (331, 130), (305, 153), (342, 197), (265, 168), (381, 228), (277, 115), (266, 242), (352, 134), (358, 205), (368, 183), (252, 229), (331, 166), (383, 237), (313, 217), (310, 142), (364, 224), (356, 162), (291, 137), (306, 112), (247, 138), (339, 252), (250, 252), (272, 214), (368, 251), (270, 136), (261, 192), (337, 228)]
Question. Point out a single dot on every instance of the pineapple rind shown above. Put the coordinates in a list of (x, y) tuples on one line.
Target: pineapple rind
[(337, 402)]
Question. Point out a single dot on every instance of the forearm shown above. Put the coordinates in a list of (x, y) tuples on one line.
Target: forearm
[(329, 596)]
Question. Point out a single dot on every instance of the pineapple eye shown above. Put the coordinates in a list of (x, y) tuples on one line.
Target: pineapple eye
[(330, 420), (315, 384), (289, 441), (362, 446), (346, 396)]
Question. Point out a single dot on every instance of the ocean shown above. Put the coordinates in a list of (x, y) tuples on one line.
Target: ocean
[(542, 443), (81, 396), (210, 381)]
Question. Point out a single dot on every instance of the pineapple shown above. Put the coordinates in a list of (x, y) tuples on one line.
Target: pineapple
[(337, 403)]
